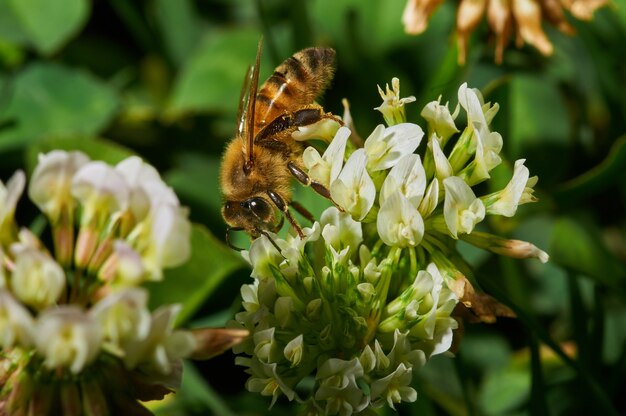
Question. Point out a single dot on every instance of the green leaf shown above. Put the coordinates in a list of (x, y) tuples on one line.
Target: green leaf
[(597, 179), (504, 390), (190, 284), (45, 24), (539, 125), (49, 100), (211, 78), (578, 246), (96, 149), (196, 179), (179, 26), (193, 391)]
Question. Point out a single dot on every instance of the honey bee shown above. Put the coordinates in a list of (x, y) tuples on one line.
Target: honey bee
[(260, 161)]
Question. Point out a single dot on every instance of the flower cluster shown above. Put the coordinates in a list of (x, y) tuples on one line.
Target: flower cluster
[(523, 18), (341, 319), (76, 333)]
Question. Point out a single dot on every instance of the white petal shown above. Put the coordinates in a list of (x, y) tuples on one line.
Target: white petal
[(353, 189), (462, 210), (384, 147), (50, 184), (399, 223), (408, 177)]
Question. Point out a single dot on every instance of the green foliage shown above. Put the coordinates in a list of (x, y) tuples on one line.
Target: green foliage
[(162, 79)]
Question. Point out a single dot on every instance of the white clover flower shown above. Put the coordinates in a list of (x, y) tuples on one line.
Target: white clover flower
[(365, 306), (462, 210), (123, 316), (392, 107), (295, 350), (162, 239), (37, 280), (162, 347), (385, 146), (440, 120), (16, 322), (266, 380), (67, 337), (442, 165), (9, 195), (407, 177), (488, 146), (506, 201), (146, 186), (325, 169), (340, 231), (354, 189), (337, 379), (394, 388), (262, 256), (124, 268), (430, 200), (51, 184), (399, 223), (101, 190), (472, 104)]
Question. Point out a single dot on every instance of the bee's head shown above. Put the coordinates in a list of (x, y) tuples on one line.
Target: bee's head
[(253, 215)]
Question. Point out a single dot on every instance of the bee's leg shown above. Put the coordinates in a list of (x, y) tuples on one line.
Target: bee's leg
[(306, 180), (282, 205), (304, 117), (303, 211), (266, 234)]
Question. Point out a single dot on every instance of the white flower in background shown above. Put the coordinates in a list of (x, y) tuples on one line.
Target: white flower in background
[(338, 387), (392, 107), (146, 186), (123, 316), (325, 169), (16, 322), (67, 337), (399, 223), (162, 239), (37, 280), (74, 310), (9, 195), (50, 187), (101, 190), (385, 146), (162, 347), (354, 189), (462, 210)]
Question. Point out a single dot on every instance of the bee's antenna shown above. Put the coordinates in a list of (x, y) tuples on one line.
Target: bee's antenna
[(228, 242)]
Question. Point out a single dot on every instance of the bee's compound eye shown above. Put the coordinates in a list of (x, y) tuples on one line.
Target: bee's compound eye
[(259, 207)]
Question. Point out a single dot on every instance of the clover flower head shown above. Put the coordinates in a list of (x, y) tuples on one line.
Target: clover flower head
[(73, 310), (367, 297)]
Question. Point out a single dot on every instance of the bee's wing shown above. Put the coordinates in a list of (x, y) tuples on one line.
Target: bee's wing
[(246, 119), (244, 97)]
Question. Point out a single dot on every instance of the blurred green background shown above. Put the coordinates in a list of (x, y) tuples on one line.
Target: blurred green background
[(161, 79)]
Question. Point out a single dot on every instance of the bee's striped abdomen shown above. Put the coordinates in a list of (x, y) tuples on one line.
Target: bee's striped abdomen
[(295, 83)]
